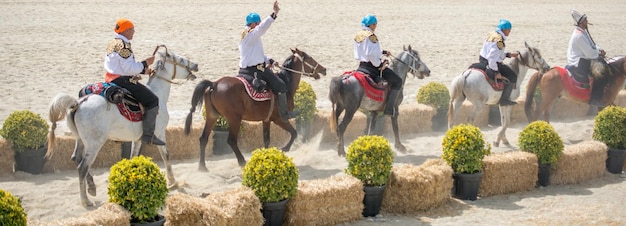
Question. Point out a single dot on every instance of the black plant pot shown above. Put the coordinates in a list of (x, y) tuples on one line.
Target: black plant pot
[(31, 160), (274, 212), (544, 174), (373, 200), (466, 185), (615, 160), (220, 142), (160, 221)]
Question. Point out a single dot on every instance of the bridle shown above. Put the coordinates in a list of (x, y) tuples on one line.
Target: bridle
[(532, 55), (166, 59), (415, 60), (303, 72)]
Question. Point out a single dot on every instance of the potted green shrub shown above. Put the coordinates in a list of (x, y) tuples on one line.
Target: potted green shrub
[(220, 135), (435, 94), (370, 159), (304, 103), (138, 185), (27, 132), (541, 139), (273, 177), (464, 148), (609, 128), (11, 211)]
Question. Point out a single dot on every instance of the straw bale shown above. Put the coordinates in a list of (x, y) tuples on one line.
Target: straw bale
[(183, 209), (580, 162), (462, 115), (414, 188), (565, 108), (329, 201), (72, 221), (108, 214), (7, 158), (240, 206), (508, 172), (414, 118)]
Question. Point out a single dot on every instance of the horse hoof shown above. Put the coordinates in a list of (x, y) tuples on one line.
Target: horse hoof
[(401, 148), (87, 203), (203, 169), (91, 191), (242, 163), (496, 144), (173, 185), (506, 142)]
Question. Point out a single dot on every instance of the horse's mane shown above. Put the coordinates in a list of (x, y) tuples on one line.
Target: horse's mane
[(284, 74)]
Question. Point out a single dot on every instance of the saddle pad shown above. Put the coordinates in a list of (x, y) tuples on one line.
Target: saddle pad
[(101, 88), (372, 90), (574, 88), (257, 96), (497, 86)]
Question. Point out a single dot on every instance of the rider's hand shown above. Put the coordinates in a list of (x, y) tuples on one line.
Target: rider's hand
[(138, 77), (602, 53), (150, 60), (514, 54), (499, 76), (276, 8)]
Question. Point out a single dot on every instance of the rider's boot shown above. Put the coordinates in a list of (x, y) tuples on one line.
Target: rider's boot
[(282, 107), (390, 107), (505, 99), (149, 120), (595, 98)]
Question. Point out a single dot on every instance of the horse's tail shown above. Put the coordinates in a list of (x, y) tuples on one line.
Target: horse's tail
[(58, 109), (196, 101), (334, 96), (530, 94), (456, 91)]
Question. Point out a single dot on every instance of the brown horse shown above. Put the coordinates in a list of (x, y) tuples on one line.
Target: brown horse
[(551, 86), (228, 97)]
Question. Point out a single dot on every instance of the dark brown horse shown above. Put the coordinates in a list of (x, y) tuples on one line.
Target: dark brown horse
[(551, 86), (228, 97)]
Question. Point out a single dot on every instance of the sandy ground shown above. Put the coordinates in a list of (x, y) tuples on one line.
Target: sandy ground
[(51, 47)]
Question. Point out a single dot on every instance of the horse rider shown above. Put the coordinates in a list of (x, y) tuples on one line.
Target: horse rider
[(581, 51), (368, 52), (493, 54), (253, 60), (122, 69)]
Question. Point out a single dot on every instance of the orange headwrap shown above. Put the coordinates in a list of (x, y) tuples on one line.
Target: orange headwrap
[(123, 24)]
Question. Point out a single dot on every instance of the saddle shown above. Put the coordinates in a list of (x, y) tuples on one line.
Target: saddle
[(373, 90), (255, 87), (575, 88), (489, 76), (122, 98)]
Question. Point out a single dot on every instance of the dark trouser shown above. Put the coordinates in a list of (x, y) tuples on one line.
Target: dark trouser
[(390, 76), (504, 70), (143, 94), (273, 81)]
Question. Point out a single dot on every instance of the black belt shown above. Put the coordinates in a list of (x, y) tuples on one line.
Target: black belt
[(260, 67)]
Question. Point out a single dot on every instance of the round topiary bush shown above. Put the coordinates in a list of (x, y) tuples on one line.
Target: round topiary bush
[(610, 127), (271, 174), (305, 101), (11, 211), (540, 138), (370, 159), (464, 149), (25, 130), (138, 185), (434, 94)]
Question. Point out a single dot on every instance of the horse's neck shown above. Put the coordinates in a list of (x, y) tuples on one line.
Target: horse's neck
[(400, 69), (516, 65), (160, 88)]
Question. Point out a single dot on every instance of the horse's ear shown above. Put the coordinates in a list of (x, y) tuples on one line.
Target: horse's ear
[(292, 50), (410, 49), (526, 44)]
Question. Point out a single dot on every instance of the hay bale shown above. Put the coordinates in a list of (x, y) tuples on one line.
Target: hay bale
[(7, 158), (580, 162), (107, 214), (508, 172), (414, 118), (414, 188), (183, 209), (329, 201), (240, 206), (462, 115)]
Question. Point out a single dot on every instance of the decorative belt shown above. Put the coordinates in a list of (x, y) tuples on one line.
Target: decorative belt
[(260, 67)]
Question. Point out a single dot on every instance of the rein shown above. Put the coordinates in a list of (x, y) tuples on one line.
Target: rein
[(303, 72), (410, 66), (166, 60)]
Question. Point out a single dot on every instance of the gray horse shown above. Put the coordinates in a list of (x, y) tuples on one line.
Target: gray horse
[(346, 94), (472, 85)]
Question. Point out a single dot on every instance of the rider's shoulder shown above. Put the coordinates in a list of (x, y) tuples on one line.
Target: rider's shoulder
[(363, 34), (120, 47), (494, 36)]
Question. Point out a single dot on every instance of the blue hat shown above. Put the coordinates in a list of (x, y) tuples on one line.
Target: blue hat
[(368, 20), (504, 25), (253, 18)]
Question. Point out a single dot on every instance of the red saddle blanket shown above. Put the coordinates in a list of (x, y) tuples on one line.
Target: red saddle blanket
[(257, 96), (373, 90), (100, 89), (497, 86), (573, 87)]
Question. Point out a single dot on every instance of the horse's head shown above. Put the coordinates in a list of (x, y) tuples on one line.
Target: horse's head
[(169, 66), (306, 65), (531, 57), (411, 58)]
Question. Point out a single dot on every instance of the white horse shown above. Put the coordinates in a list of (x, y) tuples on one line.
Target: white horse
[(93, 120), (473, 86)]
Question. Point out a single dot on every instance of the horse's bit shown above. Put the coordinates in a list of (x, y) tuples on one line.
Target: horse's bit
[(415, 59), (167, 60), (303, 72)]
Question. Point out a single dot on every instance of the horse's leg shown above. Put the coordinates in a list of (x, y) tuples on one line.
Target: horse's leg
[(266, 134), (505, 120), (456, 105), (79, 148), (90, 153), (204, 140), (171, 181), (292, 132), (341, 128), (136, 147), (477, 107), (233, 133), (396, 133), (371, 122)]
